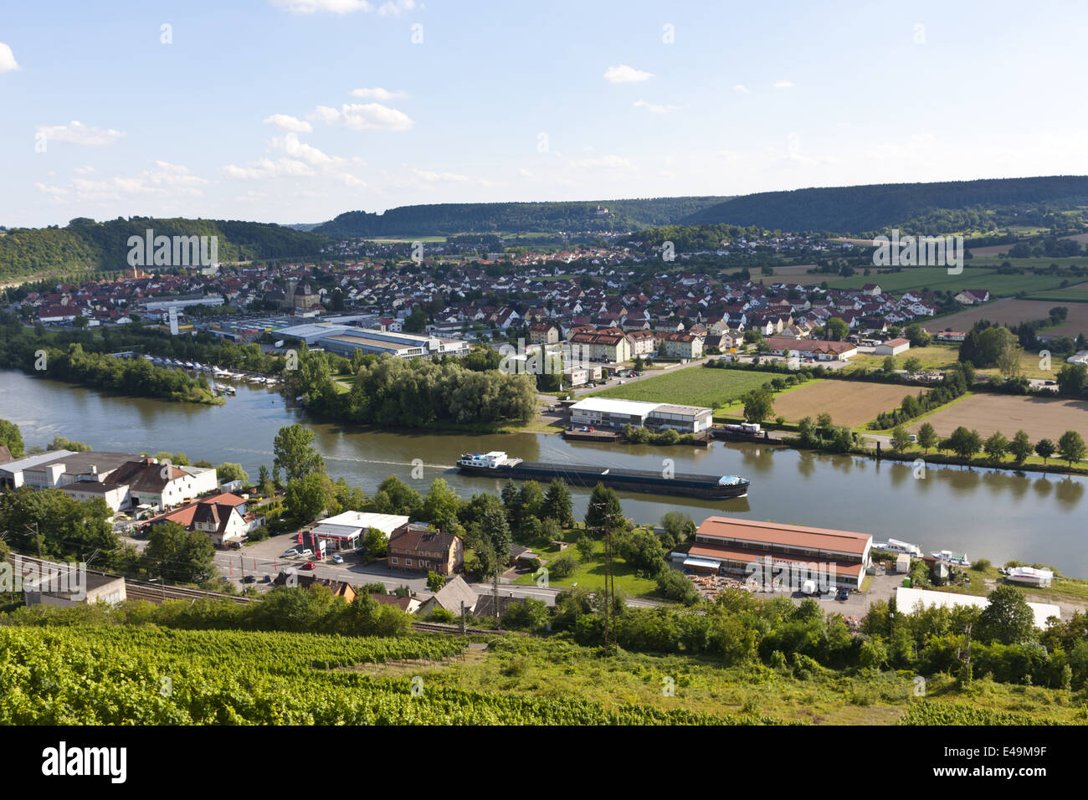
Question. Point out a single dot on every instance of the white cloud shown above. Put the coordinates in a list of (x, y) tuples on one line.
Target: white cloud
[(7, 59), (163, 179), (377, 93), (439, 177), (783, 84), (740, 88), (269, 168), (625, 73), (603, 162), (76, 132), (385, 9), (288, 123), (364, 117), (654, 108), (293, 148)]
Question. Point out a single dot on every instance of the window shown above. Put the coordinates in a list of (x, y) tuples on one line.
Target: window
[(407, 562), (394, 559)]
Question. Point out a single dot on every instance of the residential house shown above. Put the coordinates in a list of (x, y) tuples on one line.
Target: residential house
[(417, 548), (453, 597), (680, 345)]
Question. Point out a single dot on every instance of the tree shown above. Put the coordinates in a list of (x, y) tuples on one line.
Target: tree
[(964, 443), (1020, 447), (642, 550), (229, 471), (888, 366), (996, 446), (823, 421), (295, 454), (900, 439), (435, 582), (674, 585), (527, 615), (1071, 447), (758, 405), (11, 438), (562, 566), (62, 443), (1073, 380), (178, 555), (394, 496), (416, 322), (586, 546), (917, 335), (1044, 448), (837, 329), (52, 524), (558, 504), (679, 528), (604, 512), (441, 506), (375, 543), (927, 437), (264, 482), (1008, 618), (912, 365), (308, 497)]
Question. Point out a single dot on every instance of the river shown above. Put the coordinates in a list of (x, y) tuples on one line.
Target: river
[(987, 513)]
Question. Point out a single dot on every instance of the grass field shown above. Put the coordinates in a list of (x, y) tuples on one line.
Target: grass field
[(1077, 293), (591, 573), (989, 413), (850, 403), (1012, 312), (693, 386), (935, 356), (938, 278)]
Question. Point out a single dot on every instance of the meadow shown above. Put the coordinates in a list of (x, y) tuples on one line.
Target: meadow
[(693, 386)]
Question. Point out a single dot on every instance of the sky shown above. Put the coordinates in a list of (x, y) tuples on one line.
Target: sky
[(294, 111)]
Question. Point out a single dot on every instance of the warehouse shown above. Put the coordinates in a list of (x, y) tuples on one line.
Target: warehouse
[(739, 544), (606, 412), (347, 340), (908, 601), (344, 530)]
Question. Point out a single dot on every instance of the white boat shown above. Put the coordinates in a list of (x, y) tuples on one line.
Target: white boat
[(959, 559), (1030, 576), (896, 546)]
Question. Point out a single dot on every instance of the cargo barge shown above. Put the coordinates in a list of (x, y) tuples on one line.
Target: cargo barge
[(498, 464)]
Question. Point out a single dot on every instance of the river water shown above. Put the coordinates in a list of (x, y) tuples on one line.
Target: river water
[(993, 514)]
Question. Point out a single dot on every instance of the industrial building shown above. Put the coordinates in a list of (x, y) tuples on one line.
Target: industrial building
[(605, 412), (909, 600), (731, 545), (346, 340), (344, 530)]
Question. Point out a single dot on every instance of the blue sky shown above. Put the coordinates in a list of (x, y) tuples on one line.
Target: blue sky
[(297, 110)]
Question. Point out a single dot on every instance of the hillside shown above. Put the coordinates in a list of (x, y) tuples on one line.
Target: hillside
[(930, 207), (453, 218), (88, 245)]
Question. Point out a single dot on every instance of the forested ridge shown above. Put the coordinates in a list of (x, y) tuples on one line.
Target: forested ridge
[(86, 245)]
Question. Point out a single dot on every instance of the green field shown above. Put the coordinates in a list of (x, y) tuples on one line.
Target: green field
[(590, 575), (938, 278), (1078, 293), (692, 386)]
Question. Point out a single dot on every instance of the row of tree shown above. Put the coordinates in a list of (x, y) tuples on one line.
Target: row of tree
[(968, 443)]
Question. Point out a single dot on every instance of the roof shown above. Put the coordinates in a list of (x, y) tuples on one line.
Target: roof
[(145, 475), (732, 530), (350, 522), (906, 600), (809, 345), (608, 405), (894, 342), (454, 593), (5, 454), (413, 540)]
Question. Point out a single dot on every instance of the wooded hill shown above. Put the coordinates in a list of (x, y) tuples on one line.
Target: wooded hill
[(915, 207), (453, 218), (85, 245)]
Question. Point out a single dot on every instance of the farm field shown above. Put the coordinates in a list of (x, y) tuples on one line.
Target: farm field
[(850, 403), (694, 386), (935, 356), (972, 277), (989, 413), (1076, 293), (1012, 312)]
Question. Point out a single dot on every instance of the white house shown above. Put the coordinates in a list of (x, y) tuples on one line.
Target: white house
[(345, 529), (892, 347)]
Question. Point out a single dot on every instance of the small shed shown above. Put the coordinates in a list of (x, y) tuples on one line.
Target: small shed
[(902, 563)]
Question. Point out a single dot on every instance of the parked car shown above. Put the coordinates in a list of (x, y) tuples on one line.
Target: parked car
[(306, 553), (266, 579), (842, 594), (309, 565), (337, 558), (249, 579), (291, 553)]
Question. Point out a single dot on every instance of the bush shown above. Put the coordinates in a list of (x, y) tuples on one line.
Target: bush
[(981, 565), (674, 585), (562, 566)]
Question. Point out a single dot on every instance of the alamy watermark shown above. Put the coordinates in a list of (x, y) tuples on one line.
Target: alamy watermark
[(43, 577), (543, 359), (766, 575), (150, 250), (919, 251)]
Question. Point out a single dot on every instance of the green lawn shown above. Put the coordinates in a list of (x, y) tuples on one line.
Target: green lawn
[(934, 357), (938, 278), (692, 386), (591, 573)]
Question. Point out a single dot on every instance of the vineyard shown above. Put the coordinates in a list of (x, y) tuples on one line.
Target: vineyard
[(85, 675)]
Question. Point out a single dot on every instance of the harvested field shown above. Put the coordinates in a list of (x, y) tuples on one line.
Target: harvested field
[(1012, 312), (850, 403), (988, 413)]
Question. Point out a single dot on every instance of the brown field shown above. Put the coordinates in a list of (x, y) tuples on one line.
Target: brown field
[(850, 403), (990, 250), (1011, 311), (988, 413)]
